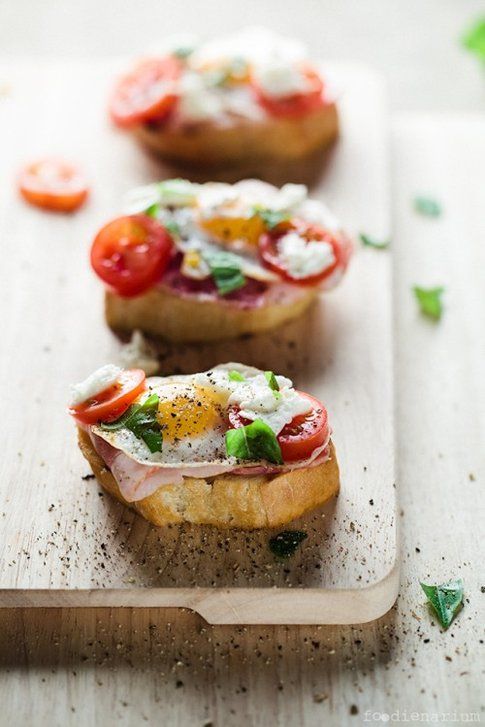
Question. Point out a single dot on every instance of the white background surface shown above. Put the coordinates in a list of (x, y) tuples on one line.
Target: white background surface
[(416, 43)]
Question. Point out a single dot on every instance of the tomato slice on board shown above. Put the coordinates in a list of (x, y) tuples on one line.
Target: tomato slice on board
[(147, 93), (301, 436), (297, 104), (111, 403), (269, 253), (53, 184), (131, 253)]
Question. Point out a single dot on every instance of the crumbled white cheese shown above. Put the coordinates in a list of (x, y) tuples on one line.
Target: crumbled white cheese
[(253, 44), (198, 101), (139, 354), (316, 212), (278, 78), (302, 258), (96, 382), (214, 195), (169, 193), (257, 400), (289, 197)]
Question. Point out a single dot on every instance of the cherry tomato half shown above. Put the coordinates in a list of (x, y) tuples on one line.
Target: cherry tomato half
[(297, 104), (148, 92), (131, 253), (53, 184), (301, 436), (269, 252), (111, 403)]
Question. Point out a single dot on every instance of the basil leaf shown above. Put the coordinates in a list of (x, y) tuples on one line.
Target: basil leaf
[(172, 227), (254, 442), (235, 376), (474, 39), (271, 218), (445, 600), (372, 242), (226, 270), (285, 543), (427, 206), (142, 420), (153, 210), (273, 384), (429, 300)]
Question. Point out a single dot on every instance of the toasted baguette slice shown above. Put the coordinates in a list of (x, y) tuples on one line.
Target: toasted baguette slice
[(229, 501), (163, 313), (247, 146)]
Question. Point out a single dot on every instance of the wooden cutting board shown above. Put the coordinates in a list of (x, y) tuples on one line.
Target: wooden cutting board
[(65, 543)]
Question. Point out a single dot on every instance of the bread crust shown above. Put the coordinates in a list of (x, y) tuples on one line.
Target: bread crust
[(228, 501), (161, 312), (247, 146)]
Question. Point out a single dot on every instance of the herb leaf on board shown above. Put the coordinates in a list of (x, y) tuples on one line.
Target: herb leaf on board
[(429, 300), (285, 543), (445, 600), (368, 241), (427, 206), (474, 39)]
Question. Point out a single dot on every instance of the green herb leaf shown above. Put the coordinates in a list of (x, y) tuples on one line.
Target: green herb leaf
[(427, 206), (273, 384), (271, 218), (445, 600), (172, 227), (225, 268), (285, 543), (429, 300), (372, 242), (255, 441), (474, 39), (235, 376), (142, 420), (153, 210)]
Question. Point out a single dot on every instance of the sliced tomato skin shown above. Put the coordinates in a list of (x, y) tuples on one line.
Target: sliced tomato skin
[(131, 253), (140, 96), (297, 104), (111, 403), (268, 251), (53, 184), (301, 436)]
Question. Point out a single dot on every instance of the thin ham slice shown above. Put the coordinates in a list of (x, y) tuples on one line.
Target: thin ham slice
[(137, 481)]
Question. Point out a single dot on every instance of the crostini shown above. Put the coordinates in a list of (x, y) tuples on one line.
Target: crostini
[(233, 447), (248, 99), (205, 262)]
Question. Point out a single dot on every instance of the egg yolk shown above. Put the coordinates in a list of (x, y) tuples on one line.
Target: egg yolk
[(229, 229), (187, 411)]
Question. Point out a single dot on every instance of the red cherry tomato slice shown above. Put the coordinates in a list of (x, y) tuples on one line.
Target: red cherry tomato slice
[(131, 253), (301, 436), (147, 93), (269, 252), (53, 184), (298, 104), (111, 403)]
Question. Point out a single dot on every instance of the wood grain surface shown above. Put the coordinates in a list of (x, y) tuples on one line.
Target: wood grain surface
[(62, 541), (111, 666)]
